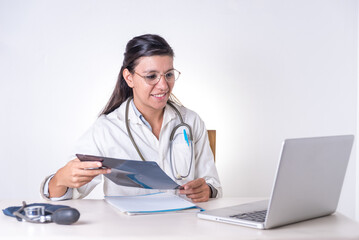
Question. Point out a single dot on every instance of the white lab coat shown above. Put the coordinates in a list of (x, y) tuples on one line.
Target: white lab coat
[(108, 137)]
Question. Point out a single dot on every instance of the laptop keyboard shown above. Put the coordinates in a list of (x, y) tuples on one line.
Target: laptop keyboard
[(257, 216)]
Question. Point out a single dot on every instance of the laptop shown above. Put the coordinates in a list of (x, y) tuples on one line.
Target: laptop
[(307, 185)]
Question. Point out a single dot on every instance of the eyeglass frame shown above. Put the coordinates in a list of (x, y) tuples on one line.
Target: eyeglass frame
[(159, 78)]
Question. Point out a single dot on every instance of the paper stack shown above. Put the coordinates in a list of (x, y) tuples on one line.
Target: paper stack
[(161, 202)]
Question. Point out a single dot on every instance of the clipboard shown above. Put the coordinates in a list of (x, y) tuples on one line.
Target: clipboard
[(133, 173)]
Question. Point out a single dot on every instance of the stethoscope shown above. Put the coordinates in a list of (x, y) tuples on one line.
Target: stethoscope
[(188, 138)]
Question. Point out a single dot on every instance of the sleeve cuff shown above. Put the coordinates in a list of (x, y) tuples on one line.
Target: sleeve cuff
[(68, 194), (214, 191)]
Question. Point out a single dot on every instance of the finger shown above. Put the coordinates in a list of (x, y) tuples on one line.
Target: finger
[(194, 184), (203, 195), (199, 194), (198, 197), (192, 190), (93, 172), (194, 195), (86, 165), (77, 182), (198, 188)]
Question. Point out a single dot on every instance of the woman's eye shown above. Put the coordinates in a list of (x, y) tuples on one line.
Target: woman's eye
[(169, 75), (151, 77)]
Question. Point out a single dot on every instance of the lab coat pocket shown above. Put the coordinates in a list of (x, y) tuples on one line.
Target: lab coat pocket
[(181, 158)]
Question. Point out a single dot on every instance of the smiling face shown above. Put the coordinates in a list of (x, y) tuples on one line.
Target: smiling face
[(150, 98)]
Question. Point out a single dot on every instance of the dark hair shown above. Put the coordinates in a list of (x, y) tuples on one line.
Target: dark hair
[(140, 46)]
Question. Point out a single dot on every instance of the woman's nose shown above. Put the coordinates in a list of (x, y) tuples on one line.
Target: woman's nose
[(162, 83)]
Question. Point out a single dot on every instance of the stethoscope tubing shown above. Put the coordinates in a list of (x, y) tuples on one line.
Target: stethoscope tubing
[(182, 124)]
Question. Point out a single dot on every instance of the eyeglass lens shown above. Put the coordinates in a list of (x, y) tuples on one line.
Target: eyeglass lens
[(170, 76)]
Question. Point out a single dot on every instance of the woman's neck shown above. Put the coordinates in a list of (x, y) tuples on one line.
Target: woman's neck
[(154, 117)]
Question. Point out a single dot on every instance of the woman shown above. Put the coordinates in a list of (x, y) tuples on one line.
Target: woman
[(144, 87)]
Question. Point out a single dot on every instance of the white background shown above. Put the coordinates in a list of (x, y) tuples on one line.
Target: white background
[(256, 71)]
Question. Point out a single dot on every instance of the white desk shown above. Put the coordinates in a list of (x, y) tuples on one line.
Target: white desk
[(101, 221)]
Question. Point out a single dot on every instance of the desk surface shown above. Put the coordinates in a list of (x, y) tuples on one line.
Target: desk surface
[(99, 220)]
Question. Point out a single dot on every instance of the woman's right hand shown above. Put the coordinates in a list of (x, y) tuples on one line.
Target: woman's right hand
[(74, 175)]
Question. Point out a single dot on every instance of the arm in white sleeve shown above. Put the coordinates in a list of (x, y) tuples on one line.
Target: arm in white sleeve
[(88, 144), (85, 145)]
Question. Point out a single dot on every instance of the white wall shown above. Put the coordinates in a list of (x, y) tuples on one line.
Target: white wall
[(357, 142), (257, 71)]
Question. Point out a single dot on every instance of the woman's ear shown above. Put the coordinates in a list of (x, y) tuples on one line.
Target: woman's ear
[(128, 77)]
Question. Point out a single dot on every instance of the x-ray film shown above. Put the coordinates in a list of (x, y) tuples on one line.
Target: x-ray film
[(132, 173)]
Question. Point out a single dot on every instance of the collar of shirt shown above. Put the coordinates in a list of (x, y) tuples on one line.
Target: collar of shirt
[(139, 114), (120, 112)]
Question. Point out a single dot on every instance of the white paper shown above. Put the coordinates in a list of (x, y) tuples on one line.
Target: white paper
[(149, 203)]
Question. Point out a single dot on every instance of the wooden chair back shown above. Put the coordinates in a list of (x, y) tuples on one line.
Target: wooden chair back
[(212, 141)]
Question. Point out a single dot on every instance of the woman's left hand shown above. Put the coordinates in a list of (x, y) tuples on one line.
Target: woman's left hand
[(197, 190)]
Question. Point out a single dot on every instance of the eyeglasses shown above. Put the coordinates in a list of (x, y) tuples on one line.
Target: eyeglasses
[(154, 77)]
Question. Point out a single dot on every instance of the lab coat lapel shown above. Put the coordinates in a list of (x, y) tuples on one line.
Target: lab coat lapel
[(168, 116)]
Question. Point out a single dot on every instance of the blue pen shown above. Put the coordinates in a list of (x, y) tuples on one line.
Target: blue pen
[(185, 136)]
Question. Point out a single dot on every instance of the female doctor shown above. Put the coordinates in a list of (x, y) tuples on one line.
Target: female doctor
[(137, 123)]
